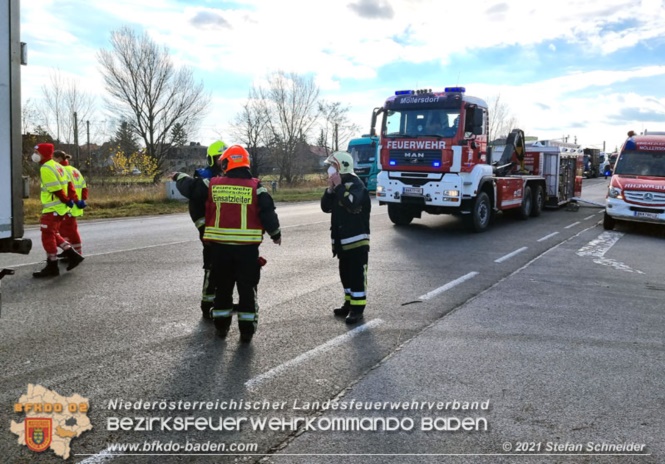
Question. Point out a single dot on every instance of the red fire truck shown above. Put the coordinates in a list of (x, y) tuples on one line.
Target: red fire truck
[(435, 159)]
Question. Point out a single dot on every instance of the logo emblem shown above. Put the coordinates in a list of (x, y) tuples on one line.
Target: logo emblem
[(38, 433), (648, 196)]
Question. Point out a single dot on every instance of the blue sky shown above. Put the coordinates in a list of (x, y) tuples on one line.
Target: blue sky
[(591, 70)]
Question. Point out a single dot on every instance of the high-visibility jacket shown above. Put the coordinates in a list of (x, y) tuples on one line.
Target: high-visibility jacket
[(52, 179), (232, 212), (76, 178)]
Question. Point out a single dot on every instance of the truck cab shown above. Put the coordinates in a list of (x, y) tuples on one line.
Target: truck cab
[(365, 152), (637, 188)]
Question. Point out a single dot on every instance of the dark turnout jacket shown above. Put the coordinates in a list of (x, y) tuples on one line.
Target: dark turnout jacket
[(350, 205)]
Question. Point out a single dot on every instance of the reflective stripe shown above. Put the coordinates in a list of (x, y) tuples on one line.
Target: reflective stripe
[(53, 203), (355, 238), (355, 245), (358, 302), (207, 182), (182, 175), (358, 294), (233, 235), (51, 184), (200, 222), (251, 317), (221, 313), (208, 298), (261, 190)]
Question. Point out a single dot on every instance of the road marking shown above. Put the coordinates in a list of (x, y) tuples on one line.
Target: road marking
[(448, 286), (601, 245), (588, 217), (510, 255), (548, 236), (104, 456), (342, 339), (572, 225)]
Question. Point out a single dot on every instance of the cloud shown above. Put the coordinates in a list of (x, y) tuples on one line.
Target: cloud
[(209, 20), (373, 9)]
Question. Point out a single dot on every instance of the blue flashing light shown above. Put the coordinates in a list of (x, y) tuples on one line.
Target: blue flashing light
[(404, 92), (392, 163), (455, 89), (436, 164)]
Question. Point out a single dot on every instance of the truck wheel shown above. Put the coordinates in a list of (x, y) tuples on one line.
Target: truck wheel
[(538, 201), (481, 213), (608, 222), (399, 215), (527, 204)]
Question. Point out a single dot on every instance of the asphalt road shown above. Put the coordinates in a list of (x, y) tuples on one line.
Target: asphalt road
[(502, 316)]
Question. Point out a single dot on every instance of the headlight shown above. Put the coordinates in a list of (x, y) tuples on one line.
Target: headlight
[(451, 193), (379, 189), (614, 192)]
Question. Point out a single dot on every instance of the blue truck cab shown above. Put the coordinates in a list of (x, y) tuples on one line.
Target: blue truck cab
[(365, 152)]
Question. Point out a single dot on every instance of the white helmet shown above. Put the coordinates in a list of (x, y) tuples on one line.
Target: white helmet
[(342, 161)]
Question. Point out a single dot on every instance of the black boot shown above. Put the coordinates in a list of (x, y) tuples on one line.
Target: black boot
[(222, 324), (354, 316), (51, 270), (73, 257), (342, 311), (246, 337), (206, 307)]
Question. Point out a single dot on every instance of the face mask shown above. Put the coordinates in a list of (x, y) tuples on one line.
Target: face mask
[(36, 157), (331, 171)]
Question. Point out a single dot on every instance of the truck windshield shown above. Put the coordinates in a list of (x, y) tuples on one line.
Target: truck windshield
[(641, 163), (425, 122), (363, 154)]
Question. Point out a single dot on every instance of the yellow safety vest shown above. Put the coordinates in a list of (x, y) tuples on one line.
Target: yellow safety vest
[(76, 178), (53, 178)]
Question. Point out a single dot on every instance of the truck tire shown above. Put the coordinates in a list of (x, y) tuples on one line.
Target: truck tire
[(608, 222), (481, 214), (526, 208), (399, 215), (538, 201)]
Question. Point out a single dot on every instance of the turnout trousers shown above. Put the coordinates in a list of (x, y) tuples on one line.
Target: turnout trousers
[(208, 291), (353, 274), (236, 266)]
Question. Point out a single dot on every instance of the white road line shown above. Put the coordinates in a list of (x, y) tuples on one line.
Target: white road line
[(572, 225), (510, 255), (548, 236), (342, 339), (588, 217), (601, 245), (601, 211), (104, 456), (448, 286)]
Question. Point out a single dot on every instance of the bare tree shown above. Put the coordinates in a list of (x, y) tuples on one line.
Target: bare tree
[(290, 113), (336, 128), (149, 93), (501, 119), (250, 128), (29, 117), (62, 99)]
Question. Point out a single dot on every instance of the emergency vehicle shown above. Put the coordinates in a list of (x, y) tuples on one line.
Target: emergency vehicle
[(434, 158), (637, 189)]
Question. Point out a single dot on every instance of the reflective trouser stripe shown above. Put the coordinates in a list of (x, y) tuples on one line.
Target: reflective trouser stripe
[(249, 317), (221, 313)]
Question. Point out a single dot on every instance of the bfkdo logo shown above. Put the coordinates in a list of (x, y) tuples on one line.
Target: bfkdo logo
[(51, 420), (38, 433)]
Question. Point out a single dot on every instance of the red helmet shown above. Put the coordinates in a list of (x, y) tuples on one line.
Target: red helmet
[(234, 157)]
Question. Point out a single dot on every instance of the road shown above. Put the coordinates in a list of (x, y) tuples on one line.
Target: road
[(498, 316)]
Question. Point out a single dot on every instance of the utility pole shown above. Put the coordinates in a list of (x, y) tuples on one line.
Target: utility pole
[(335, 135), (76, 139), (87, 130)]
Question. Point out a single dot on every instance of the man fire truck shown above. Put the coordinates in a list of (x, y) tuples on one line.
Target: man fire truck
[(434, 158)]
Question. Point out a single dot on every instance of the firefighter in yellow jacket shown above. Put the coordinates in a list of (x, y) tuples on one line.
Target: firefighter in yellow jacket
[(55, 205), (239, 210)]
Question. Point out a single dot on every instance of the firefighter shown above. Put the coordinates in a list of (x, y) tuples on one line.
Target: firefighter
[(78, 193), (348, 201), (195, 189), (238, 212), (55, 205)]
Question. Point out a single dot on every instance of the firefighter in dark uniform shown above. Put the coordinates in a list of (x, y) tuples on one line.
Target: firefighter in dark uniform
[(239, 210), (348, 201), (195, 189)]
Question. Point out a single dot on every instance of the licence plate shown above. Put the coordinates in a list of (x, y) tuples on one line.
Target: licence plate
[(412, 191), (646, 215)]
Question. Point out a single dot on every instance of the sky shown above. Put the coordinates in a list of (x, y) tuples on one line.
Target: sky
[(587, 70)]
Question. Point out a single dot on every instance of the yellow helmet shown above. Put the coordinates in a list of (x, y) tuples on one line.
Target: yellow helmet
[(343, 162), (215, 150)]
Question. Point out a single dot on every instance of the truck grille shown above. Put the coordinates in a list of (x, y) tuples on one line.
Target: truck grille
[(649, 198), (414, 157)]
